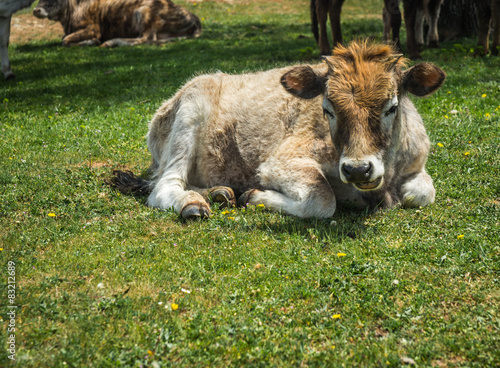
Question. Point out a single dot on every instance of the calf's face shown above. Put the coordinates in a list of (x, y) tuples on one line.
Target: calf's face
[(361, 90)]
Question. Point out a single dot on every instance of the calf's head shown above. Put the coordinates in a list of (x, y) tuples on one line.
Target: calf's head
[(48, 9), (362, 86)]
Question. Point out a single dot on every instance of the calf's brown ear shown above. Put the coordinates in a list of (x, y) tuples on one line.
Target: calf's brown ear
[(423, 79), (304, 82)]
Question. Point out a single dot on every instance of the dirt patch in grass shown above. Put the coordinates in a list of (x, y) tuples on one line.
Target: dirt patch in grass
[(26, 28)]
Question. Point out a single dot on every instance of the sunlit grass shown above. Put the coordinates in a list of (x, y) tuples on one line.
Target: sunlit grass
[(103, 281)]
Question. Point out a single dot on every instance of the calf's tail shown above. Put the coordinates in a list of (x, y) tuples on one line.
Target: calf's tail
[(128, 183)]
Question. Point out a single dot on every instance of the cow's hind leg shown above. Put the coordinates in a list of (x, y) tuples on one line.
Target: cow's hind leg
[(176, 158), (171, 191), (432, 13), (496, 32), (297, 188), (322, 16)]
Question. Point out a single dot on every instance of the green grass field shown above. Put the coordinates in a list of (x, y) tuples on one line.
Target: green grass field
[(101, 280)]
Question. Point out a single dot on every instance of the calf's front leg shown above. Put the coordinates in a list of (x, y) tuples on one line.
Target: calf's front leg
[(298, 188), (418, 191)]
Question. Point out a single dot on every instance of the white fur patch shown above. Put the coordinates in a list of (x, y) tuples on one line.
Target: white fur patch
[(419, 191)]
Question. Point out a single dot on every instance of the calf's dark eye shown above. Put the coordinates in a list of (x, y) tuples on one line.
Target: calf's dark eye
[(328, 113), (392, 110)]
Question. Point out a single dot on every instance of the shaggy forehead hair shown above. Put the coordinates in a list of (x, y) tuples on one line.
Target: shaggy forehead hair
[(363, 77)]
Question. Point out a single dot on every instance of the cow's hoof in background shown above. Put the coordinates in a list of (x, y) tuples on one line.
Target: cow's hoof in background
[(223, 195), (433, 44), (415, 56), (195, 210), (9, 75)]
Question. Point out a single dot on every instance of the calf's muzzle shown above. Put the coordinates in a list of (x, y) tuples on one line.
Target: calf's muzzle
[(365, 174), (360, 173)]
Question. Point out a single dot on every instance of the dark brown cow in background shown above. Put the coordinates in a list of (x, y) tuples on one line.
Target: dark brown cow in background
[(488, 12), (414, 13), (320, 10), (119, 22), (415, 10)]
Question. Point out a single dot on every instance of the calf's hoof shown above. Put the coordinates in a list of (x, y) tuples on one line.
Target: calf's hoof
[(195, 210), (223, 195), (245, 197)]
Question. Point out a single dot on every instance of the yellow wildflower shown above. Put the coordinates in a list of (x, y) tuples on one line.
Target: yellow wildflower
[(150, 353), (446, 116), (461, 236), (174, 306), (341, 254), (440, 145), (467, 153), (225, 212), (484, 95), (51, 214), (336, 316), (230, 218), (261, 205)]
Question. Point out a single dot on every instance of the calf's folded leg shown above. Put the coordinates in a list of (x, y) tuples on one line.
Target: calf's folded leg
[(298, 188), (418, 191)]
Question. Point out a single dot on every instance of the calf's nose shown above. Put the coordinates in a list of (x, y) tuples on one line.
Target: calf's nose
[(357, 173)]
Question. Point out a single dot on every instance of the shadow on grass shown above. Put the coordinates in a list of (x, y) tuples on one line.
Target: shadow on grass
[(97, 76), (345, 224)]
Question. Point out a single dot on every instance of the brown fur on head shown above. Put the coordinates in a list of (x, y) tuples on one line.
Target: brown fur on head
[(361, 79), (363, 74)]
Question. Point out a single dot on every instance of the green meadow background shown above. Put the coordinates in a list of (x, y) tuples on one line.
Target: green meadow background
[(101, 280)]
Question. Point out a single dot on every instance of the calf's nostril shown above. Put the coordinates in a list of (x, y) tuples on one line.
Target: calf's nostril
[(357, 173), (346, 170)]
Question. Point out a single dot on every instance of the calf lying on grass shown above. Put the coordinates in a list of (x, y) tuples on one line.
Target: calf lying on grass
[(297, 139)]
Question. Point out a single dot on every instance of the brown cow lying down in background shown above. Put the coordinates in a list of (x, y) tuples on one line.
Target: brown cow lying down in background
[(119, 22), (297, 139)]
